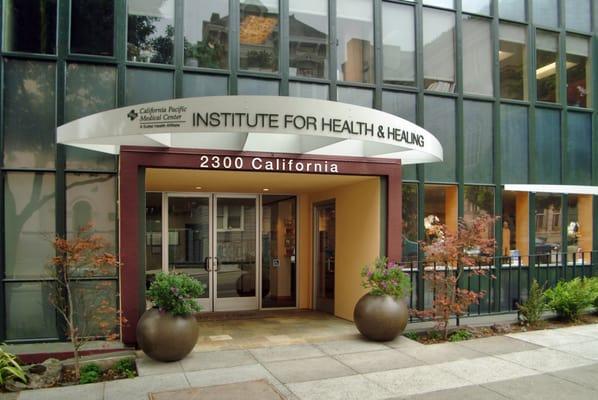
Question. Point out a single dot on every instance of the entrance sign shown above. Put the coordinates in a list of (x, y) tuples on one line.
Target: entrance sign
[(272, 124), (277, 164)]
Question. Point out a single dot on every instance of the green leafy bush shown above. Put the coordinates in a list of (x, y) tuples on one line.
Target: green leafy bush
[(10, 368), (90, 373), (385, 278), (569, 299), (460, 336), (411, 335), (594, 290), (125, 366), (176, 293), (531, 310)]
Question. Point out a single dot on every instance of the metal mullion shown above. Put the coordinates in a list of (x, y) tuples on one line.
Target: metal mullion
[(120, 50), (91, 58), (459, 122), (532, 95), (202, 70), (562, 88), (233, 45), (178, 51), (356, 85), (332, 46), (420, 169), (377, 26), (30, 56), (2, 256), (399, 88), (496, 143), (441, 94), (150, 66), (283, 47)]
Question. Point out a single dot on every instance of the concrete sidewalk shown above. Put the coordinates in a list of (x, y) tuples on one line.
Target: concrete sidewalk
[(550, 364)]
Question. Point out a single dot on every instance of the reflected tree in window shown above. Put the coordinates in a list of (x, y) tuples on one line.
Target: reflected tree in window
[(151, 31)]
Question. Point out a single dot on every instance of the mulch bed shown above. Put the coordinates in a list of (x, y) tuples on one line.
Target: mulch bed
[(68, 376), (433, 337)]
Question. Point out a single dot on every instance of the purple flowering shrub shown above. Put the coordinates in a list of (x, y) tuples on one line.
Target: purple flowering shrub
[(385, 278), (176, 293)]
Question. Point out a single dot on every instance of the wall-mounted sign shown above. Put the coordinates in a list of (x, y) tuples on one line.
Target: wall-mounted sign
[(275, 164), (272, 124)]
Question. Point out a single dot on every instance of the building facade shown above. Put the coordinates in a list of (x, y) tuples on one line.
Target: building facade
[(506, 86)]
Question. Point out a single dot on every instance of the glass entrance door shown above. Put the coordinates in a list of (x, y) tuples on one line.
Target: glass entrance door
[(214, 239), (324, 238)]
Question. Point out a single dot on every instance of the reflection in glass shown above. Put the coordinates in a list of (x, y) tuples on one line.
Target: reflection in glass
[(195, 85), (477, 56), (259, 35), (578, 170), (29, 315), (514, 213), (512, 9), (513, 62), (30, 26), (579, 228), (93, 295), (409, 215), (548, 227), (578, 15), (92, 27), (324, 255), (514, 143), (548, 146), (359, 97), (355, 41), (236, 247), (91, 200), (279, 255), (89, 89), (439, 3), (29, 114), (439, 117), (153, 236), (188, 237), (547, 70), (546, 12), (29, 209), (479, 201), (476, 6), (402, 105), (206, 33), (309, 90), (440, 208), (308, 38), (150, 35), (256, 87), (398, 44), (138, 90), (439, 50), (477, 142), (578, 71)]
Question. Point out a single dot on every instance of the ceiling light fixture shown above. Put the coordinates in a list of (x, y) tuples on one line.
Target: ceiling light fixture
[(266, 189), (198, 187)]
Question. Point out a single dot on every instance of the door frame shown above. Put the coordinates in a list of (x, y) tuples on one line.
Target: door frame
[(315, 248), (212, 302)]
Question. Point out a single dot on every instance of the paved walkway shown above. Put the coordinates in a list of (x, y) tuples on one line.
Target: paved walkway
[(550, 364)]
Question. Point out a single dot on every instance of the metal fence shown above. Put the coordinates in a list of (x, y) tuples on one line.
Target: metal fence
[(506, 281)]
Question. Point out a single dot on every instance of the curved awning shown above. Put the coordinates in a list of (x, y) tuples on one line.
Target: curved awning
[(273, 124)]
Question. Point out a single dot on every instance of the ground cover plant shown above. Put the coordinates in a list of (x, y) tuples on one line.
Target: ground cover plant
[(531, 310)]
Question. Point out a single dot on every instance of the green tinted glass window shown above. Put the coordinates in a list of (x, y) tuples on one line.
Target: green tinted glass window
[(150, 31), (248, 86), (29, 315), (439, 119), (139, 91), (548, 146), (309, 90), (92, 27), (30, 26), (403, 105), (477, 142), (398, 37), (206, 33), (514, 143), (308, 38), (29, 114), (195, 85), (355, 40), (579, 149), (546, 12), (259, 35), (359, 97), (29, 224)]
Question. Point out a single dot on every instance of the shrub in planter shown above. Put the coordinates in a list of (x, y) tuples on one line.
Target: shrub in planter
[(10, 368), (168, 332), (531, 310), (382, 314), (569, 299), (90, 373)]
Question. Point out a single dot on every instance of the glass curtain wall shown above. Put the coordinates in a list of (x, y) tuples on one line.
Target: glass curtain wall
[(150, 31), (439, 50), (578, 71), (259, 35), (547, 66), (513, 61), (398, 41), (355, 41), (308, 38), (206, 33)]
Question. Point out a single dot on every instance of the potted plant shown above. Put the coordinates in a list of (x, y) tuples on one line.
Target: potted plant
[(168, 331), (382, 314)]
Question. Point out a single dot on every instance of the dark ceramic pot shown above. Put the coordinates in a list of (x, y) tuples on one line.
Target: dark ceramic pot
[(166, 337), (380, 318)]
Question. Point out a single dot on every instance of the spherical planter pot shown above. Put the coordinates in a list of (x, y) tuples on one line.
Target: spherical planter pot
[(380, 318), (166, 337)]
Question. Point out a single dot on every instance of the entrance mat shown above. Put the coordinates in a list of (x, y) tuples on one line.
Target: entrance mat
[(252, 390)]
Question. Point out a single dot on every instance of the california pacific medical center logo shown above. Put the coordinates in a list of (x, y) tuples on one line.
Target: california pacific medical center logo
[(132, 115)]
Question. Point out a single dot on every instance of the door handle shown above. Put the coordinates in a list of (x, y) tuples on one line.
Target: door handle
[(328, 266), (206, 264), (215, 263)]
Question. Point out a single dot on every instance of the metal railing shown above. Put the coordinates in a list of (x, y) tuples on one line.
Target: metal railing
[(506, 281)]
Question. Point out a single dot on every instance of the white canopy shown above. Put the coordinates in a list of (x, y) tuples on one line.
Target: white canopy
[(569, 189), (256, 123)]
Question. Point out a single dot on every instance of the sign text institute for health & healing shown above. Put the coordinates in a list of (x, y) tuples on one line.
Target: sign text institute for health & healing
[(273, 124)]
